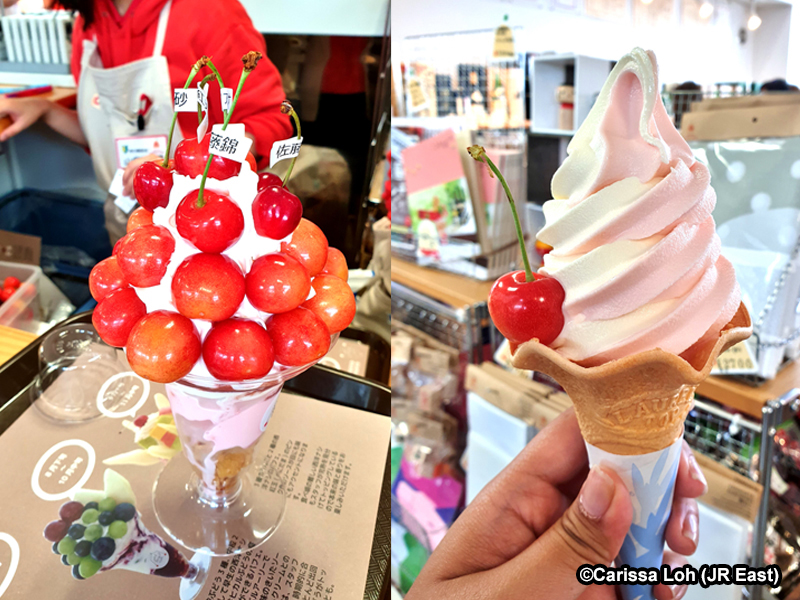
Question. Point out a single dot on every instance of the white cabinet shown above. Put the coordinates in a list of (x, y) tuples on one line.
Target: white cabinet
[(547, 73)]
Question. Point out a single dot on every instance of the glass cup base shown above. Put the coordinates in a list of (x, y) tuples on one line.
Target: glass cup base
[(191, 586), (238, 521)]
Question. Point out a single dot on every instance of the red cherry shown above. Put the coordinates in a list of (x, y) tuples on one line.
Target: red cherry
[(11, 282), (141, 217), (336, 264), (276, 212), (106, 277), (309, 246), (191, 159), (116, 246), (213, 228), (277, 283), (152, 184), (116, 315), (144, 254), (6, 293), (238, 349), (163, 346), (299, 337), (524, 310), (268, 179), (333, 302), (208, 286)]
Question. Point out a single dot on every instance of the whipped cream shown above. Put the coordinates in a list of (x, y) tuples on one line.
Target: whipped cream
[(242, 190), (634, 244)]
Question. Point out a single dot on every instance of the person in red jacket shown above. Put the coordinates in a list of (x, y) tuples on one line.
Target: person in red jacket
[(128, 56)]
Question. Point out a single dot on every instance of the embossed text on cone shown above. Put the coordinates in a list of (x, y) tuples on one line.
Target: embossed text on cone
[(636, 404)]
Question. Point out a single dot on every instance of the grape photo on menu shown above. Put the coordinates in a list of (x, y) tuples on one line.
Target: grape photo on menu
[(195, 308)]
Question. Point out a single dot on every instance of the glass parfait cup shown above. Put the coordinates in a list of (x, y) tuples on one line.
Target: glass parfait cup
[(209, 498)]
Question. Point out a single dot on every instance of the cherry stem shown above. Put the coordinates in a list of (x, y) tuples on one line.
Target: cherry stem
[(250, 61), (195, 70), (479, 154), (286, 108), (219, 80), (203, 84)]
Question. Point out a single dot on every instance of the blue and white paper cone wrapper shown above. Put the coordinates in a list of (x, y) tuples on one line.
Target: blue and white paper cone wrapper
[(650, 478)]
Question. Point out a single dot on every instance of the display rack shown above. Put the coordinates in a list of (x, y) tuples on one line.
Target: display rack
[(546, 73), (449, 307)]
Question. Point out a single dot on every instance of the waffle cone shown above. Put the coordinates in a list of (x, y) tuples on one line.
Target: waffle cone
[(636, 404)]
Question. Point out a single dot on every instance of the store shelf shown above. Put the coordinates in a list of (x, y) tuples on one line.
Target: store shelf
[(747, 399), (553, 132), (23, 73), (454, 290), (436, 123), (12, 341), (547, 73)]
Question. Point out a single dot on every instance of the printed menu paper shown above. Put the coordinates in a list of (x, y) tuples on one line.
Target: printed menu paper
[(332, 458)]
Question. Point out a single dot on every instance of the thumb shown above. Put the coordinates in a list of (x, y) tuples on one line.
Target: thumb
[(590, 531)]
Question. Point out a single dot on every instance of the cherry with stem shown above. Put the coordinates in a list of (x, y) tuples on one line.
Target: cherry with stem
[(523, 305), (203, 61), (276, 211), (250, 61)]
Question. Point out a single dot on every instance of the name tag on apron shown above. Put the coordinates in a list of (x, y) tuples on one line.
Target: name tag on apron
[(131, 148)]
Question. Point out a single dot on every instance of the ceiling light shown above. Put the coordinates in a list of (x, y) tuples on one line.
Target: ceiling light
[(706, 10), (754, 22)]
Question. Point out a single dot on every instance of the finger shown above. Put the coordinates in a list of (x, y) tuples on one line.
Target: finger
[(557, 454), (591, 531), (17, 126), (690, 482), (683, 529), (671, 592)]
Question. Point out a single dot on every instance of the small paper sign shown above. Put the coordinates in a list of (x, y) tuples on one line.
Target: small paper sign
[(185, 100), (202, 96), (736, 360), (226, 98), (125, 203), (202, 129), (284, 149), (231, 143)]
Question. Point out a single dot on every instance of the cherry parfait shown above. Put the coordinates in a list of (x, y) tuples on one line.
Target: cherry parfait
[(222, 291)]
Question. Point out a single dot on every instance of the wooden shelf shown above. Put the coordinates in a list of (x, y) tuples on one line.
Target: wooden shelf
[(747, 399), (12, 341), (451, 289)]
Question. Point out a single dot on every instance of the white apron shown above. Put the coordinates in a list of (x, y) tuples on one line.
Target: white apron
[(109, 102)]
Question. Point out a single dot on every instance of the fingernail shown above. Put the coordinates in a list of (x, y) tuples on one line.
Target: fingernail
[(678, 591), (695, 472), (596, 494), (690, 527)]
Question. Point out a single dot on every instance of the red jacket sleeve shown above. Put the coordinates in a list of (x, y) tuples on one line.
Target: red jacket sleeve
[(77, 48), (226, 33)]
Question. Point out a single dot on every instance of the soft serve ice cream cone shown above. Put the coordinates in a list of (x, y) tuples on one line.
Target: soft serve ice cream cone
[(635, 301)]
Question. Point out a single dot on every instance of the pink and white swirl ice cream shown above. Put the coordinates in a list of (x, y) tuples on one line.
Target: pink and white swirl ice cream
[(634, 244)]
